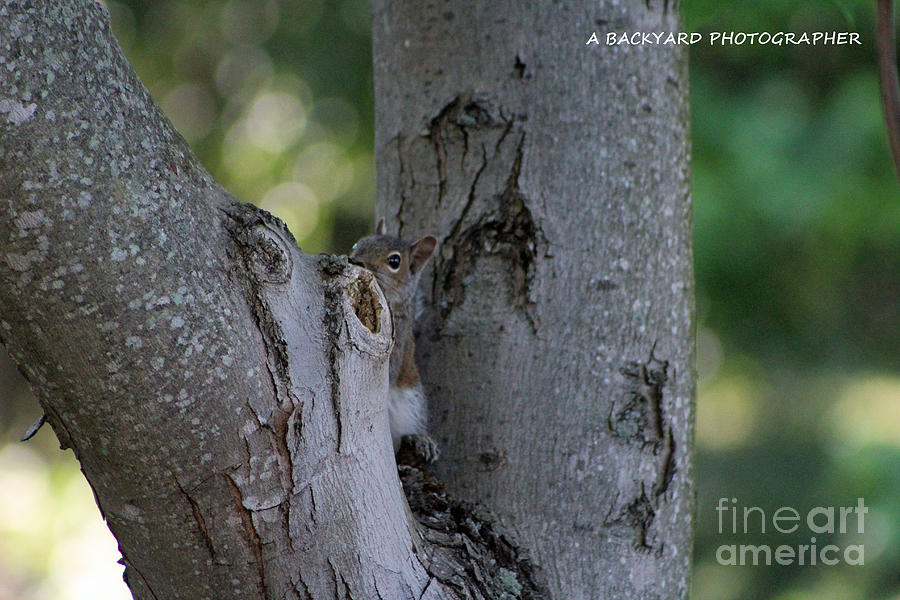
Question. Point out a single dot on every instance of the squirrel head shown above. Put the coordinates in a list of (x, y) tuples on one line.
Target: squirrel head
[(397, 264)]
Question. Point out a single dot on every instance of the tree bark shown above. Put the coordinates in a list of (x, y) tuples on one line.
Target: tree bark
[(224, 393), (556, 342)]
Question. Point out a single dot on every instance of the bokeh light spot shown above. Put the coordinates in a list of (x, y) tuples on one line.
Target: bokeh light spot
[(295, 204), (274, 121), (324, 167), (868, 412), (727, 412), (241, 68)]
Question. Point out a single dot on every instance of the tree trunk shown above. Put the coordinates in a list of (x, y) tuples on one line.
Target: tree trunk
[(557, 340), (224, 393)]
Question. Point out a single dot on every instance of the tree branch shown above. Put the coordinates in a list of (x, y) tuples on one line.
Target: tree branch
[(179, 341), (224, 393)]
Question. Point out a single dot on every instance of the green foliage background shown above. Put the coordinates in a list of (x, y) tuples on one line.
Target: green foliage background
[(797, 232), (797, 225)]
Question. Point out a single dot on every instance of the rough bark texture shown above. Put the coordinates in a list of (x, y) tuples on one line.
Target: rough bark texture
[(224, 393), (181, 344), (556, 341)]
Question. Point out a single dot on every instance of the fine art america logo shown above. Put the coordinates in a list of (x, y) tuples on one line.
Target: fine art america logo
[(819, 521), (724, 38)]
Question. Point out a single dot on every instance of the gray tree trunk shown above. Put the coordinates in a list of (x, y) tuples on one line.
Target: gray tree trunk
[(224, 393), (556, 341)]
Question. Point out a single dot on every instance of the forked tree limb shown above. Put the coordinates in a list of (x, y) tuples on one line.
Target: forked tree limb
[(224, 393)]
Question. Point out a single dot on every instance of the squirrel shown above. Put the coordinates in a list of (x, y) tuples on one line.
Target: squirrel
[(397, 266)]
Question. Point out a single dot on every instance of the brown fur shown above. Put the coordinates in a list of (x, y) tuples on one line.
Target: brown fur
[(379, 253), (399, 288)]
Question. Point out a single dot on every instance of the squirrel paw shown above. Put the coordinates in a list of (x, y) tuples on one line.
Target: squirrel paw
[(422, 447)]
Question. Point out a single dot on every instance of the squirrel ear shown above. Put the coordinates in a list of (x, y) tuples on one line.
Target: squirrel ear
[(420, 252), (380, 228)]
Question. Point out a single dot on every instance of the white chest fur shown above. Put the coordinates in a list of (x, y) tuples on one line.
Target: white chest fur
[(406, 411)]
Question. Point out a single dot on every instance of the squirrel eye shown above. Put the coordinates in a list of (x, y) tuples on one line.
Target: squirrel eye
[(393, 261)]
